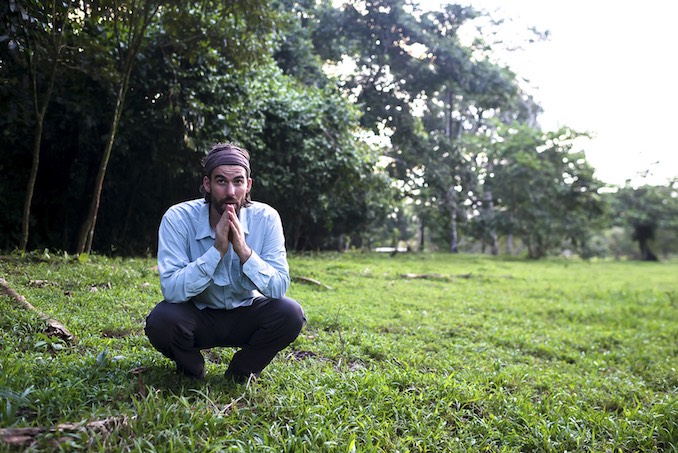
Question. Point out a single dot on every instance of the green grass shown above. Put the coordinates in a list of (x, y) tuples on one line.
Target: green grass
[(487, 354)]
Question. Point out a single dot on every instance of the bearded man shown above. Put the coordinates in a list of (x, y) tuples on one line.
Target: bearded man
[(223, 274)]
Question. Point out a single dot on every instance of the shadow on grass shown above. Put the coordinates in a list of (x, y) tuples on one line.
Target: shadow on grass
[(167, 380)]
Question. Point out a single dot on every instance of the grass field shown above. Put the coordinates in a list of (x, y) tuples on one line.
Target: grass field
[(416, 352)]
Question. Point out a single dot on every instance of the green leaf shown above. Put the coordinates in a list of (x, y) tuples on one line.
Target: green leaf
[(101, 358)]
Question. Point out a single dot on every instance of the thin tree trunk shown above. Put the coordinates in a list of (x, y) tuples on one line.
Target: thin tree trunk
[(343, 243), (136, 34), (454, 244), (452, 203), (40, 112), (87, 230), (451, 195), (489, 206), (30, 187), (37, 142), (422, 230)]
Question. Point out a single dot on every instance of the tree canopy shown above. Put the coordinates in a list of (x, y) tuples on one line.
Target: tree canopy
[(368, 122)]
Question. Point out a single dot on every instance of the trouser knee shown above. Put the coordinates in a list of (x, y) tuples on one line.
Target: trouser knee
[(163, 324), (292, 316)]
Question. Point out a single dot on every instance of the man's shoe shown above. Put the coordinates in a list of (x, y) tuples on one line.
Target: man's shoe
[(197, 377), (238, 378)]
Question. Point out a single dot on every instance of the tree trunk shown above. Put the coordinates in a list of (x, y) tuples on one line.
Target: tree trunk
[(645, 253), (136, 35), (40, 112), (86, 235), (488, 202), (452, 203), (451, 195), (30, 187), (454, 240), (643, 233), (37, 142), (343, 243), (422, 230)]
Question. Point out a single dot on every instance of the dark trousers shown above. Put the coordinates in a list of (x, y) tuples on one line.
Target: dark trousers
[(180, 331)]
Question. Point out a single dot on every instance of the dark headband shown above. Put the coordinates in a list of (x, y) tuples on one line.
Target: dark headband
[(226, 154)]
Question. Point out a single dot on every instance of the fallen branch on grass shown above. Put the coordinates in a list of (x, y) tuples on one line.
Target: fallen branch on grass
[(425, 276), (54, 327), (24, 437), (446, 277), (311, 281)]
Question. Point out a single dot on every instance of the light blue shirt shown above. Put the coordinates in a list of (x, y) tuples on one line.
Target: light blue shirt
[(191, 268)]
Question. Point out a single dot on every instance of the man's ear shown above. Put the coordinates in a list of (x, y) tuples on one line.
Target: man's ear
[(206, 184)]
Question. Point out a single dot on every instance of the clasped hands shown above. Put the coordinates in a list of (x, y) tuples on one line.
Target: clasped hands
[(229, 230)]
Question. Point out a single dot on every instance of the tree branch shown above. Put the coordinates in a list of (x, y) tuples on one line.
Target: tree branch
[(54, 327), (25, 437)]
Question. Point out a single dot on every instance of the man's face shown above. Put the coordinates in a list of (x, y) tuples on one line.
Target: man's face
[(229, 184)]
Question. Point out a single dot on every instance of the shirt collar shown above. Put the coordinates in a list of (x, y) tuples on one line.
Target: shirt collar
[(203, 229)]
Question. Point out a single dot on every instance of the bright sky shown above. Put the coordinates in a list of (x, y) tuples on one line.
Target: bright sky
[(608, 69)]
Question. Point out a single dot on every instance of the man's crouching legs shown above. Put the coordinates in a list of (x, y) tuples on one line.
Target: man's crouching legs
[(265, 328), (171, 330), (261, 330)]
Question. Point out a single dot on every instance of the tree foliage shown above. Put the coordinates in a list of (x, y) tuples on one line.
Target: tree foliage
[(307, 146), (425, 90), (545, 193), (201, 72), (651, 212)]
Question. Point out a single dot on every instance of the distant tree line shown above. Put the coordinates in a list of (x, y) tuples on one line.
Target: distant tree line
[(370, 123)]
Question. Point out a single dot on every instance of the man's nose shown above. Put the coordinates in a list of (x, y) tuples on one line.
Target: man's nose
[(230, 189)]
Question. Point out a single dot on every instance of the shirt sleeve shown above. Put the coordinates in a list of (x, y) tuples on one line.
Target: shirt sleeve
[(267, 270), (181, 279)]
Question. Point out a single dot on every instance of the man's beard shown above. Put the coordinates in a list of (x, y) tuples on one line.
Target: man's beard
[(220, 206)]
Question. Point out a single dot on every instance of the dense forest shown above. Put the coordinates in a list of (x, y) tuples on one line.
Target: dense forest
[(370, 123)]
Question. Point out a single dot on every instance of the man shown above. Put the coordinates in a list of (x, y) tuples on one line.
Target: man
[(223, 274)]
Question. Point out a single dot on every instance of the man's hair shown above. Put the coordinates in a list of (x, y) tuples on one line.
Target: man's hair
[(225, 154)]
